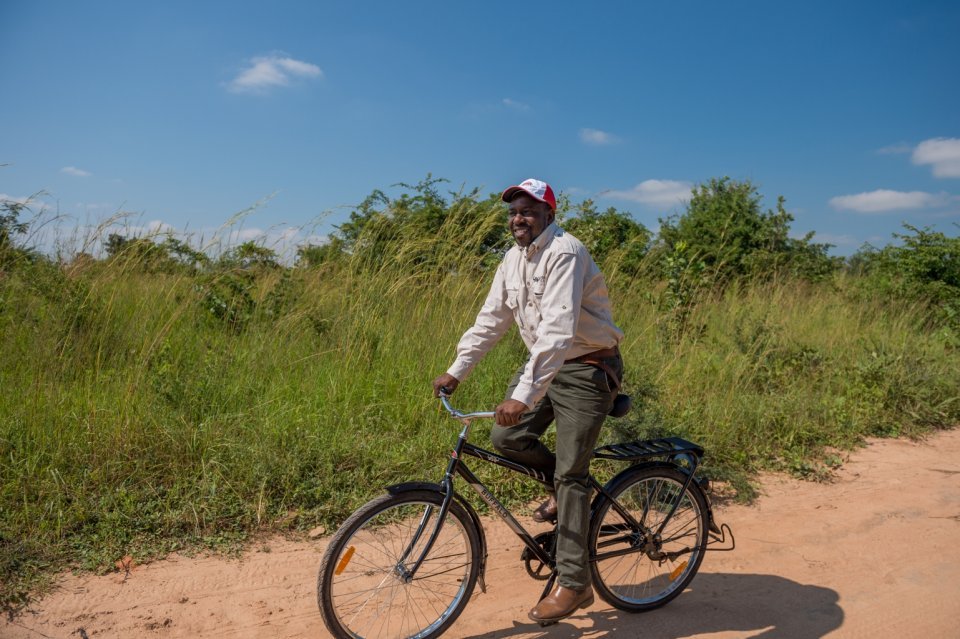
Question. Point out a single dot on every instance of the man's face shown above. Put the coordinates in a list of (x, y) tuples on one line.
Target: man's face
[(528, 217)]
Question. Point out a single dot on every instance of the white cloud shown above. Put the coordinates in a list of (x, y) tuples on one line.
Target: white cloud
[(159, 227), (655, 193), (74, 171), (96, 206), (516, 105), (239, 236), (315, 239), (831, 238), (942, 153), (894, 149), (274, 70), (883, 200), (22, 199), (596, 137), (34, 203)]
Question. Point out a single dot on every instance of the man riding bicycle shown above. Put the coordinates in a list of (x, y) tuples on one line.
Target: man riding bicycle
[(551, 288)]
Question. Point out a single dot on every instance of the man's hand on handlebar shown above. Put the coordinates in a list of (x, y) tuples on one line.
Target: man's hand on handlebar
[(510, 411), (447, 381)]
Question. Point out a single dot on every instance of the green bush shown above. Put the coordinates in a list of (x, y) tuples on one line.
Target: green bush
[(725, 229), (924, 268), (614, 239)]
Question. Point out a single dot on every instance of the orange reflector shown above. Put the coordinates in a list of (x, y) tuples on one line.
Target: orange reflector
[(673, 575), (346, 560)]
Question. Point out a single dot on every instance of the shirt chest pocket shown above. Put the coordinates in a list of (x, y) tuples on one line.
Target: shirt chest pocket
[(513, 303), (537, 288)]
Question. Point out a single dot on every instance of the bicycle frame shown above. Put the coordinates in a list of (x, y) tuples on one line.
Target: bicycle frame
[(456, 466)]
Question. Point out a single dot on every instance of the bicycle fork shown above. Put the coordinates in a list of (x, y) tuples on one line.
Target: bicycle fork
[(405, 572)]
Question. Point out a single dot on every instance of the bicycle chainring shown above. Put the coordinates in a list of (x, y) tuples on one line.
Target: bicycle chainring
[(536, 568)]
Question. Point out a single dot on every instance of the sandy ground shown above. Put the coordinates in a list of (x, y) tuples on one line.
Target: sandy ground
[(872, 554)]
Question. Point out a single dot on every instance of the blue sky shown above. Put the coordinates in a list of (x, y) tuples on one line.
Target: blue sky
[(182, 114)]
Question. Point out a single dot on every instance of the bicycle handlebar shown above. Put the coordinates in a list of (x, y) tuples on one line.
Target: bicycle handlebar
[(457, 414)]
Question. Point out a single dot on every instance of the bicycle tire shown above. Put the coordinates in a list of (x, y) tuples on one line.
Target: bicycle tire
[(640, 579), (360, 591)]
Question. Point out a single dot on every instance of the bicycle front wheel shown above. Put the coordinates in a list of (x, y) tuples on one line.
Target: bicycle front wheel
[(635, 565), (365, 588)]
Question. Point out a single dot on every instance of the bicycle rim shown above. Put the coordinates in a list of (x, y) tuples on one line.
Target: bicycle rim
[(362, 589), (634, 570)]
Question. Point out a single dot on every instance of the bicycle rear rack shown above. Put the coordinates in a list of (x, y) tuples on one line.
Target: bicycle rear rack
[(720, 537), (649, 449)]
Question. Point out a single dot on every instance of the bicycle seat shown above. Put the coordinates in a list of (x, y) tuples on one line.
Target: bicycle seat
[(621, 406)]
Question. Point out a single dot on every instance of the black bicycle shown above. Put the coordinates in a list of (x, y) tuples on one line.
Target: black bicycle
[(405, 564)]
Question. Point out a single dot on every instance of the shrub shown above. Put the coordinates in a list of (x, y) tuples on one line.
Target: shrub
[(725, 229), (924, 268), (612, 237)]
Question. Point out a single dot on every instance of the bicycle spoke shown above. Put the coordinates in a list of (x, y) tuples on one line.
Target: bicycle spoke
[(367, 591), (646, 578)]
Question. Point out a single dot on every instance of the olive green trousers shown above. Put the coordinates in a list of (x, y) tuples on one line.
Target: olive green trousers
[(578, 399)]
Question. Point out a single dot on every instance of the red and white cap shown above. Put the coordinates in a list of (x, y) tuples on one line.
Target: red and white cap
[(537, 189)]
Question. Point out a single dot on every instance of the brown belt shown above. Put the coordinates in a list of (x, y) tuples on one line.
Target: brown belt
[(603, 353), (596, 358)]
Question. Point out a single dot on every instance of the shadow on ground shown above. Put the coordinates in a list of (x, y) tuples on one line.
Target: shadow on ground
[(749, 605)]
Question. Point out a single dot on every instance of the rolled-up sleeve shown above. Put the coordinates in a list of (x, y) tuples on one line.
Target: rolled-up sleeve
[(493, 321), (560, 314)]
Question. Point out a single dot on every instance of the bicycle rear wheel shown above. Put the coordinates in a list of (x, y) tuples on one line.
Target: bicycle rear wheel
[(364, 589), (633, 568)]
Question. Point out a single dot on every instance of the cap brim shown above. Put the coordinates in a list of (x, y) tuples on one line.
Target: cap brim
[(511, 192)]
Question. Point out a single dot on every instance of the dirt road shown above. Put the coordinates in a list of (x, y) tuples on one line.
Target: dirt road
[(873, 554)]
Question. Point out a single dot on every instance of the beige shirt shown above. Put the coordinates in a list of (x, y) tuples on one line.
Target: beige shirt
[(557, 297)]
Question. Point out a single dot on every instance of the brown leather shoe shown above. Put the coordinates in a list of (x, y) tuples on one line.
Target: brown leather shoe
[(547, 511), (561, 603)]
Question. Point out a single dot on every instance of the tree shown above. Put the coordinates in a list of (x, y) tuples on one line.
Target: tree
[(924, 268), (185, 254), (138, 253), (611, 234), (10, 225), (725, 229), (926, 264), (421, 229), (250, 255), (310, 255)]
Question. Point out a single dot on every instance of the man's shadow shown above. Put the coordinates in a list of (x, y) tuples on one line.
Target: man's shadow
[(755, 605)]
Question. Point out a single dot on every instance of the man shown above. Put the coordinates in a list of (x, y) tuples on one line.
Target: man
[(551, 288)]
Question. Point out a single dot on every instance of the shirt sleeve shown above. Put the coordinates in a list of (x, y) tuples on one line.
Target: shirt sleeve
[(560, 314), (493, 321)]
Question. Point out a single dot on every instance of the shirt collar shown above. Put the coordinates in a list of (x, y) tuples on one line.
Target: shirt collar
[(542, 240)]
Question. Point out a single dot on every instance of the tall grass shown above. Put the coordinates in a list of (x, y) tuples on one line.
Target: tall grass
[(146, 412)]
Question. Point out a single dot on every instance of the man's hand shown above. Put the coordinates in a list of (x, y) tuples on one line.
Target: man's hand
[(510, 411), (447, 381)]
